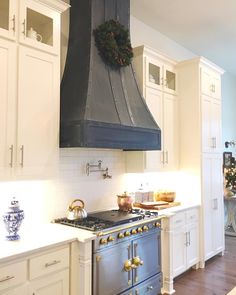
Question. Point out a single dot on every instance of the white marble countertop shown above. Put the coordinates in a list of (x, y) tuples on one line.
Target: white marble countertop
[(44, 236), (41, 237)]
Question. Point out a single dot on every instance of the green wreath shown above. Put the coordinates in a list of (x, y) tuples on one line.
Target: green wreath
[(113, 43)]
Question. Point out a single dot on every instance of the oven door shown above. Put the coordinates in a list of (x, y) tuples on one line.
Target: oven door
[(146, 256), (109, 274)]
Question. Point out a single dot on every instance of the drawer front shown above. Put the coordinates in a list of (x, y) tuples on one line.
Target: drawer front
[(178, 219), (13, 274), (49, 262), (192, 215)]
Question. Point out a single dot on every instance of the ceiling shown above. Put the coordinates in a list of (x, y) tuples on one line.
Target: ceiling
[(205, 27)]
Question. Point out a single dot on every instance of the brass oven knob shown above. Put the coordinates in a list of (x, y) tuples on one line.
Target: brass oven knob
[(127, 233), (103, 241), (157, 224), (110, 239), (133, 232), (121, 236), (139, 230), (145, 228), (137, 261), (127, 265)]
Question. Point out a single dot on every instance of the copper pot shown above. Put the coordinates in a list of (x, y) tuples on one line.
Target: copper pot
[(125, 202)]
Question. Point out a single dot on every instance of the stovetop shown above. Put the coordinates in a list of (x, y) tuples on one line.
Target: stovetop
[(106, 219)]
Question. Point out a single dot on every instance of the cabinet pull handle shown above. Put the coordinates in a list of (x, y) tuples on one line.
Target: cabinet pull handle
[(11, 156), (7, 278), (48, 264), (213, 88), (162, 81), (129, 258), (214, 142), (24, 28), (167, 157), (14, 23), (163, 157), (22, 156), (149, 288), (186, 239), (215, 204), (189, 238)]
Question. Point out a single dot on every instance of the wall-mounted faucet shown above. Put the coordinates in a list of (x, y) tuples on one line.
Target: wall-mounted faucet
[(97, 168)]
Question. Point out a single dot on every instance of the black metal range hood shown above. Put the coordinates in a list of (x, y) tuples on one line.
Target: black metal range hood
[(101, 107)]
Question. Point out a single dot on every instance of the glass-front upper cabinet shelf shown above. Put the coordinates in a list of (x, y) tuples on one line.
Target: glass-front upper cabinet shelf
[(170, 81), (154, 74), (8, 19), (40, 26)]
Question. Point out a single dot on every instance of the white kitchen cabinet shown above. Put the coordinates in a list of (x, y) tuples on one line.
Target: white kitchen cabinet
[(213, 202), (200, 146), (43, 273), (211, 124), (54, 284), (7, 104), (8, 18), (30, 84), (157, 79), (180, 245)]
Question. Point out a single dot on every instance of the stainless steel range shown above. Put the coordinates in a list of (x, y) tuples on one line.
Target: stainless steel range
[(126, 253)]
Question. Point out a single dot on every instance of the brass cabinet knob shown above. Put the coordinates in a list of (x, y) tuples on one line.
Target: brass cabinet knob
[(137, 261), (157, 224), (110, 239), (145, 228), (128, 265), (103, 241), (121, 236), (127, 233), (133, 232), (139, 230)]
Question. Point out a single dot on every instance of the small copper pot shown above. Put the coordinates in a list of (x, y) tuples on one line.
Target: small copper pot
[(125, 202)]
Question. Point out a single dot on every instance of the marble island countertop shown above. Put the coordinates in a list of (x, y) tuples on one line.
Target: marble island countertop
[(44, 236), (41, 237)]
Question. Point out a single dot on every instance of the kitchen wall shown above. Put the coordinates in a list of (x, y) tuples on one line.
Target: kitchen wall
[(46, 199)]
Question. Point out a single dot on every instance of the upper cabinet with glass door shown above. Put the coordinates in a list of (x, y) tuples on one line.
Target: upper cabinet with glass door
[(159, 71), (40, 24), (8, 18), (35, 23)]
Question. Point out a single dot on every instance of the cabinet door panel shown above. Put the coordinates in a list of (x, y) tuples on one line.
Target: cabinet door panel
[(8, 18), (7, 103), (206, 78), (170, 130), (218, 206), (22, 290), (207, 138), (193, 245), (57, 284), (216, 124), (154, 159), (179, 251), (38, 108)]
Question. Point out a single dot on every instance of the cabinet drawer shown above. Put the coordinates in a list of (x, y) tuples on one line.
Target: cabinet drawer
[(13, 274), (178, 219), (49, 262), (191, 215)]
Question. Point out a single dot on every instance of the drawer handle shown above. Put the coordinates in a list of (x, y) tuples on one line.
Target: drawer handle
[(48, 264), (7, 278)]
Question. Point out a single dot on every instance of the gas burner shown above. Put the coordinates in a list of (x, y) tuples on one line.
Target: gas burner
[(101, 220)]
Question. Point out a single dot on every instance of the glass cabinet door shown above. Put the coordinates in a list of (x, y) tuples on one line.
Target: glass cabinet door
[(170, 79), (8, 10), (39, 26), (154, 77)]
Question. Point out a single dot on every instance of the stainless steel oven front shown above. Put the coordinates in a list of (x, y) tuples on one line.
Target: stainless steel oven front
[(128, 261)]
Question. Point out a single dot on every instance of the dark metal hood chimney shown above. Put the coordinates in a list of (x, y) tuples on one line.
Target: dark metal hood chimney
[(101, 106)]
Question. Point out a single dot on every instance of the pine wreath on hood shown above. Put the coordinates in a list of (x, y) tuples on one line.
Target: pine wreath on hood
[(113, 43)]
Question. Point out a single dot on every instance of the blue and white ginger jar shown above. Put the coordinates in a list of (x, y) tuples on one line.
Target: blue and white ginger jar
[(12, 220)]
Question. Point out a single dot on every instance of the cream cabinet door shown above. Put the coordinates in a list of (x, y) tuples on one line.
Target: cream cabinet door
[(192, 245), (22, 290), (179, 251), (8, 18), (44, 21), (170, 131), (211, 124), (7, 104), (57, 283), (38, 110), (213, 205)]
